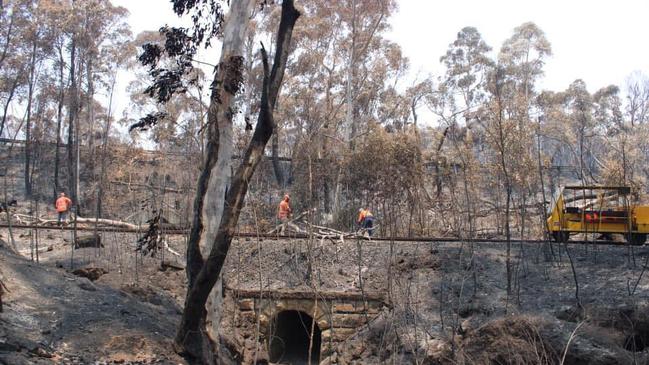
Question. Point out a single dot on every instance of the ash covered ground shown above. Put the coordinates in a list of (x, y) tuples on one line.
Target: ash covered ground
[(446, 302)]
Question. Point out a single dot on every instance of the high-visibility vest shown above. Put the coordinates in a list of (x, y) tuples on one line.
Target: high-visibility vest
[(284, 209), (62, 204)]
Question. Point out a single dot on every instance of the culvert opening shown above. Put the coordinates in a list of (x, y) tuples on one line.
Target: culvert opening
[(637, 341), (290, 335)]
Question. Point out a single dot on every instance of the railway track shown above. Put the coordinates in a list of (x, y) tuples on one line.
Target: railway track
[(275, 236)]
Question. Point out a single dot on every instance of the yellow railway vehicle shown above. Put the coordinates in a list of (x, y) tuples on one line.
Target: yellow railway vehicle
[(601, 210)]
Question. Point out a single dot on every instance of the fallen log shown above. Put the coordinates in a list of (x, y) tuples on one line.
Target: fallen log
[(39, 251), (326, 229), (292, 221), (172, 251), (164, 265), (81, 220), (107, 222)]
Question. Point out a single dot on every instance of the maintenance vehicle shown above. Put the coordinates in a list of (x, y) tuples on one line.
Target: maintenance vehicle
[(603, 210)]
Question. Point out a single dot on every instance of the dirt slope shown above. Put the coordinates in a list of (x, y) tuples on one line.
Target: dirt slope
[(53, 317)]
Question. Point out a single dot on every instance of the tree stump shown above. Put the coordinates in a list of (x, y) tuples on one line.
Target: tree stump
[(88, 241)]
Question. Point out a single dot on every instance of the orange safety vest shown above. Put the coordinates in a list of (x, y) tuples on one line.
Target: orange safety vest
[(363, 214), (284, 209), (63, 204)]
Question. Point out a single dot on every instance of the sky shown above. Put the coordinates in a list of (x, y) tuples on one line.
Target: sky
[(600, 42)]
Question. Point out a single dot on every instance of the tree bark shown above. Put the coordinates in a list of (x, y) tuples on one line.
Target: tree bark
[(277, 168), (213, 181), (350, 81), (10, 28), (438, 154), (59, 121), (191, 338), (10, 97), (104, 150), (90, 115), (28, 124), (71, 116)]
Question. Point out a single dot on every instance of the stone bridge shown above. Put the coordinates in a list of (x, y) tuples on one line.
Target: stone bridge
[(289, 319)]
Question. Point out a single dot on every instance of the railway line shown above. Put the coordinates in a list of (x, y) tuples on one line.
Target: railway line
[(176, 231)]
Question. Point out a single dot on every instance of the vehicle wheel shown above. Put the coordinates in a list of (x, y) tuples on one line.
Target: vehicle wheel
[(637, 239), (561, 236)]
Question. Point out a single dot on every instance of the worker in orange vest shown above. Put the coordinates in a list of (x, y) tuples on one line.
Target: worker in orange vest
[(284, 212), (63, 205), (366, 220)]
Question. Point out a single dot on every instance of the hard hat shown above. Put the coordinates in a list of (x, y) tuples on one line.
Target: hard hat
[(286, 196), (360, 210)]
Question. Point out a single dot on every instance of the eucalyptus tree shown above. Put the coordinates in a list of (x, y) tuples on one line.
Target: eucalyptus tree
[(583, 127), (636, 115), (341, 80), (14, 55), (219, 198), (522, 56), (505, 120), (460, 94), (364, 23), (37, 39), (637, 97)]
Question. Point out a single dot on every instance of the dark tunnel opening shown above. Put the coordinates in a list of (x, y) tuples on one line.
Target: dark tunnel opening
[(290, 334)]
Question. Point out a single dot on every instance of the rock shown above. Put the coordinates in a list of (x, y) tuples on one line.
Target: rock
[(164, 265), (87, 285), (465, 326), (88, 241), (8, 347), (437, 349), (41, 352), (5, 206), (330, 360), (91, 273)]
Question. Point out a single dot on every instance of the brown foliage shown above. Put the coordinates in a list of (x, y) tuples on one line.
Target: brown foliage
[(512, 340)]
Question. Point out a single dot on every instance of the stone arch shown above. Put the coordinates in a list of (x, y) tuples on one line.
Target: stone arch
[(289, 336)]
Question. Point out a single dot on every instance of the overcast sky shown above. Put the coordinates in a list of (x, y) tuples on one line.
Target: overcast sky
[(601, 42)]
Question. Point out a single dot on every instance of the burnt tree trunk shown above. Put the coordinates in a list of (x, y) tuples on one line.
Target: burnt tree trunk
[(71, 126), (215, 177), (59, 121), (203, 274), (438, 155), (28, 125), (277, 167)]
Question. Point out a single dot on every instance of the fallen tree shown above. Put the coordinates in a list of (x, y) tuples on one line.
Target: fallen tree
[(316, 231)]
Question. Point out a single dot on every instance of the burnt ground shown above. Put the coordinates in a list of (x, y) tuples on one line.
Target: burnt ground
[(448, 302), (52, 316)]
